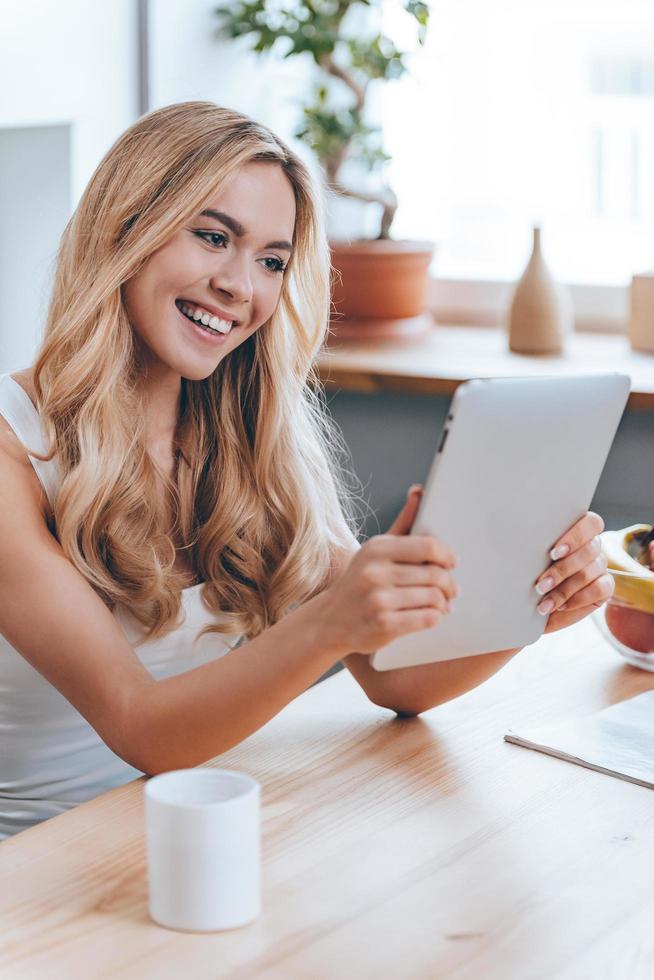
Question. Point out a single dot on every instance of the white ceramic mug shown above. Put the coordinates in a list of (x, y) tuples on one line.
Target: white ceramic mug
[(203, 830)]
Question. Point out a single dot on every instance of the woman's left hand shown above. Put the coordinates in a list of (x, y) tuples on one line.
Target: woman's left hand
[(576, 583)]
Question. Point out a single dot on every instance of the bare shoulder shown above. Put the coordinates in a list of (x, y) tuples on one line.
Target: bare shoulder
[(51, 615), (17, 474), (25, 380)]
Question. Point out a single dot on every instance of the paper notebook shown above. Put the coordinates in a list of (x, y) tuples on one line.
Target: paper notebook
[(618, 741)]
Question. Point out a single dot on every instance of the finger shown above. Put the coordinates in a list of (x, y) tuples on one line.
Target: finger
[(578, 535), (413, 549), (580, 606), (398, 622), (583, 592), (420, 598), (595, 594), (559, 571), (561, 620), (404, 520), (423, 575)]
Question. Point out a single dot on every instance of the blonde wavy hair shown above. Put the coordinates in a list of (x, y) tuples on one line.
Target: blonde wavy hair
[(261, 495)]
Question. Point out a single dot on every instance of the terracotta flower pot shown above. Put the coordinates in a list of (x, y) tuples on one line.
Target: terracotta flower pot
[(379, 289)]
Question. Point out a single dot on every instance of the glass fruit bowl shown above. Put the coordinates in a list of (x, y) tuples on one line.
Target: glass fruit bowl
[(627, 619)]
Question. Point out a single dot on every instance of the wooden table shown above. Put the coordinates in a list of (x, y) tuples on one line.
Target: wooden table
[(423, 847), (437, 362)]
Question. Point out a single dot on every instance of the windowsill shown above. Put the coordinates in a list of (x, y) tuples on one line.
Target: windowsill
[(438, 362), (485, 302)]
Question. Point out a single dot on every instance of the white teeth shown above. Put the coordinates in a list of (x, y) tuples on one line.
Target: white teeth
[(200, 316)]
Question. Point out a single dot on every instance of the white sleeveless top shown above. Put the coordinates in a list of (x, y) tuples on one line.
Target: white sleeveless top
[(51, 759)]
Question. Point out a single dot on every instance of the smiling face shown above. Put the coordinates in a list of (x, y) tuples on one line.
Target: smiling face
[(224, 266)]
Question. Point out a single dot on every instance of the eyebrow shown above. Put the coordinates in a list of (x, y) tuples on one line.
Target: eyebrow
[(238, 228)]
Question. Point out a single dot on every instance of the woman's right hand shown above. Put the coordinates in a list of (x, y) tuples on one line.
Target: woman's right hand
[(394, 584)]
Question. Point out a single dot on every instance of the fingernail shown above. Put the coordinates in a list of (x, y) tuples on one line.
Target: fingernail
[(559, 552), (545, 607), (544, 586)]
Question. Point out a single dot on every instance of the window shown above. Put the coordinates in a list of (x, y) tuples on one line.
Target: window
[(527, 111)]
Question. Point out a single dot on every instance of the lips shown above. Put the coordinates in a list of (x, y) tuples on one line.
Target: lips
[(214, 310)]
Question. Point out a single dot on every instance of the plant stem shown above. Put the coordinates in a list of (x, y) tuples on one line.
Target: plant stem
[(333, 164), (330, 66), (386, 198)]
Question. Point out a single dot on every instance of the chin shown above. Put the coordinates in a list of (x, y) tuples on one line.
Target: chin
[(195, 365), (190, 375), (197, 370)]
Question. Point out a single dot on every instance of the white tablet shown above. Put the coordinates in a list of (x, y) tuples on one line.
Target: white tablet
[(518, 464)]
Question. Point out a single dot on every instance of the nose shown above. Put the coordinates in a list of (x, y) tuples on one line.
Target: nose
[(232, 279)]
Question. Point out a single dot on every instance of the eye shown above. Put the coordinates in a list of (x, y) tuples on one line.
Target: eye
[(277, 265), (206, 235)]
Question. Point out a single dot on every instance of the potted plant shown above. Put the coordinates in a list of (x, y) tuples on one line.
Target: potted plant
[(380, 288)]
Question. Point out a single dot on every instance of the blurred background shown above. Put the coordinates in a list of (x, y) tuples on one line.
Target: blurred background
[(513, 112)]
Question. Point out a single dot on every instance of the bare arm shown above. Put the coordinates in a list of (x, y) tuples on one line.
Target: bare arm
[(576, 584), (184, 720), (52, 616), (411, 690)]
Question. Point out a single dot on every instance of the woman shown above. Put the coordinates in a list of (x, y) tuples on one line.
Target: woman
[(181, 494)]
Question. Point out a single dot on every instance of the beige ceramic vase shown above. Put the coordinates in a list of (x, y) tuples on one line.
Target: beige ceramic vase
[(540, 315)]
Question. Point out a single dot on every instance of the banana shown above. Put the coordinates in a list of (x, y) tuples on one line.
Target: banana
[(634, 580)]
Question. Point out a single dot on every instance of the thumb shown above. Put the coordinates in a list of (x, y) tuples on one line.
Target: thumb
[(404, 520)]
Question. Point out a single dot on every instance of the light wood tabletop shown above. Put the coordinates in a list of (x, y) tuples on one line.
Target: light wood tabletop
[(439, 360), (410, 848)]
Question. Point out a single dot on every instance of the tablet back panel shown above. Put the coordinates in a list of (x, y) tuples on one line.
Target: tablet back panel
[(519, 462)]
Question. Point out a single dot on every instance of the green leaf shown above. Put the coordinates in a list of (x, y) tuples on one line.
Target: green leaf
[(315, 28), (419, 10)]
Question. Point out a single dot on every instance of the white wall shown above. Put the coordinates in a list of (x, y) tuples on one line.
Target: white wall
[(73, 61), (66, 64), (34, 207), (188, 61)]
